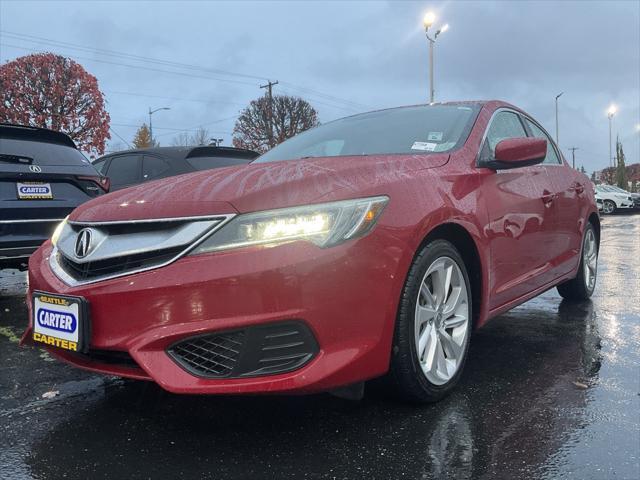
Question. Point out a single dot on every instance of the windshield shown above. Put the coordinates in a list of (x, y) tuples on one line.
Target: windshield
[(406, 130), (607, 188)]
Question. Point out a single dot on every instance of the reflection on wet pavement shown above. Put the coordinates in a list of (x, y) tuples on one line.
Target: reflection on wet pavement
[(551, 390)]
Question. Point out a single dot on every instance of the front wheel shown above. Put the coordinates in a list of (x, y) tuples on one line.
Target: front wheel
[(433, 327), (582, 286), (608, 207)]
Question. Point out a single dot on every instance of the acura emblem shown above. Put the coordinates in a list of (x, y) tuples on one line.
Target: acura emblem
[(83, 243), (35, 169)]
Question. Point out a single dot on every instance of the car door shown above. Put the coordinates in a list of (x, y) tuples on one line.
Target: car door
[(569, 193), (520, 211), (124, 171)]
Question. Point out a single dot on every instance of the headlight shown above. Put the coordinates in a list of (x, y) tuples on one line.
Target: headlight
[(58, 230), (325, 224)]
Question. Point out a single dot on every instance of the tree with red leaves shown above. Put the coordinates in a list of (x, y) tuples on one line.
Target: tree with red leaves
[(260, 128), (50, 91)]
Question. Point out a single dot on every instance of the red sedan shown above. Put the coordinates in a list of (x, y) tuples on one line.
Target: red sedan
[(369, 246)]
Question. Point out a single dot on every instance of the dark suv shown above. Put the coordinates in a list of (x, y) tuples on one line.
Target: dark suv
[(43, 177), (131, 167)]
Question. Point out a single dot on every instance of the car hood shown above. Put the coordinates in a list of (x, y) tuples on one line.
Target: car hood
[(253, 187)]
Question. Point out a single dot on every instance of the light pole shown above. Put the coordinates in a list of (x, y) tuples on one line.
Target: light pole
[(428, 21), (557, 128), (610, 113), (151, 112), (638, 132)]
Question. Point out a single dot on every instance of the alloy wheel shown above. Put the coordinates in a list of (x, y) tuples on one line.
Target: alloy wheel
[(590, 259), (441, 320), (608, 207)]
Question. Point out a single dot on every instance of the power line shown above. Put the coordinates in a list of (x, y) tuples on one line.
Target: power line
[(202, 125), (177, 99), (140, 67), (116, 134), (129, 56), (113, 53)]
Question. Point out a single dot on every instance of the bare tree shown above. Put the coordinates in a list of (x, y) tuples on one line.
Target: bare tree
[(290, 116), (200, 137), (181, 140)]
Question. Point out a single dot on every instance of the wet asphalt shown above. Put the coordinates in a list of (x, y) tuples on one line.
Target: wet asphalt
[(551, 390)]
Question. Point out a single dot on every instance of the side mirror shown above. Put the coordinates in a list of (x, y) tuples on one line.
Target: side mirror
[(518, 152)]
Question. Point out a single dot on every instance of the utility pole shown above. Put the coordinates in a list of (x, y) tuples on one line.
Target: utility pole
[(573, 155), (269, 87)]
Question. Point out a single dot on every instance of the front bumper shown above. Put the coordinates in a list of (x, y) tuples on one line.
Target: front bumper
[(19, 238), (346, 296)]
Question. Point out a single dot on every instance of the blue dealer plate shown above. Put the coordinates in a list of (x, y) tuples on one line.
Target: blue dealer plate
[(59, 321), (34, 191)]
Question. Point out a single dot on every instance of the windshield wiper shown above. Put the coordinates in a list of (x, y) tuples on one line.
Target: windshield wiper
[(5, 157)]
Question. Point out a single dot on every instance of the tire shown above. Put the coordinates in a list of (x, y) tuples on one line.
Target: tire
[(441, 330), (582, 286), (608, 207)]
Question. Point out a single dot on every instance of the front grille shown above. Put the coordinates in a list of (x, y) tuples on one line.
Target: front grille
[(113, 266), (253, 351), (118, 248)]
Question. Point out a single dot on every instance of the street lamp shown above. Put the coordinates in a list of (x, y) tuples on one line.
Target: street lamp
[(610, 113), (151, 112), (557, 135), (428, 21)]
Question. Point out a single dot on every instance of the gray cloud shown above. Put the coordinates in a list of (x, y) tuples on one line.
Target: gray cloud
[(370, 53)]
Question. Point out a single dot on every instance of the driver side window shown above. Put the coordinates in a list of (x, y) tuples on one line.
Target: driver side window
[(504, 125)]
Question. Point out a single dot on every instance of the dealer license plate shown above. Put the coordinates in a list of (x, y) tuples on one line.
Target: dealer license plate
[(60, 321), (34, 191)]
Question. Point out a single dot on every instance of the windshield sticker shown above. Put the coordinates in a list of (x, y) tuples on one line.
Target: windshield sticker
[(424, 146), (434, 136)]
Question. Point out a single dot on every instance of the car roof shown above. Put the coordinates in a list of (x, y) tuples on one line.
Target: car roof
[(181, 153), (29, 133)]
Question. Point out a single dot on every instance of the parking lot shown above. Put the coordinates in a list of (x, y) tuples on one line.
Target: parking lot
[(551, 390)]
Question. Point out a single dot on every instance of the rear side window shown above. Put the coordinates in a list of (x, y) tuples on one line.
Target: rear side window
[(205, 163), (153, 167), (124, 170), (552, 157), (100, 165), (42, 153)]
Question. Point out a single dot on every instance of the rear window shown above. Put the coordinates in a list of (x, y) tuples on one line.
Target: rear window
[(406, 130), (41, 153), (205, 163)]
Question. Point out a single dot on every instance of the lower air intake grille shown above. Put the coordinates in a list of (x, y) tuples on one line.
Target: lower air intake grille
[(210, 355), (253, 351)]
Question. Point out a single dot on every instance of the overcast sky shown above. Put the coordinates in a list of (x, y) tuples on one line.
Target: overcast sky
[(345, 58)]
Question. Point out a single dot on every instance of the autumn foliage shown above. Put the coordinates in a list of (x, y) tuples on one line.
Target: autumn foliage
[(259, 129), (51, 91), (143, 137)]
